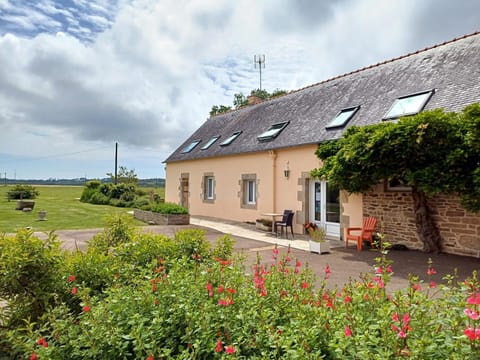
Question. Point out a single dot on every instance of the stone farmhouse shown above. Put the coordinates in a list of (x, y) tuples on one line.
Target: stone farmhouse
[(256, 159)]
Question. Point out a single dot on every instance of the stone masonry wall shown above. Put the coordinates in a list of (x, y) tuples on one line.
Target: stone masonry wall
[(460, 229)]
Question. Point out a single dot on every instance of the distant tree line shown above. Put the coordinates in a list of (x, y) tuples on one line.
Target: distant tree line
[(240, 100), (152, 182)]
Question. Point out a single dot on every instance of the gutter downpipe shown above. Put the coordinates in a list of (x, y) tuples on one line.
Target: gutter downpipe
[(273, 156)]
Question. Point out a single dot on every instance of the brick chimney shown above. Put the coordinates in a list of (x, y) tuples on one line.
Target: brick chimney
[(253, 100)]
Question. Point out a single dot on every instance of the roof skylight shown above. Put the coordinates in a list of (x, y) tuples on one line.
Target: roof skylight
[(190, 146), (408, 105), (210, 142), (272, 132), (230, 139), (342, 117)]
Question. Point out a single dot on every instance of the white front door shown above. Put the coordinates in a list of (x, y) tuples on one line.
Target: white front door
[(325, 207)]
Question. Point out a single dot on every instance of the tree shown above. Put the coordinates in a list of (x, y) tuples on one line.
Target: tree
[(125, 176), (239, 100), (432, 152), (219, 109)]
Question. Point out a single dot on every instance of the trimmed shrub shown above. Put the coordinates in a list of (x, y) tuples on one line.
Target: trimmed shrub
[(166, 208), (22, 192)]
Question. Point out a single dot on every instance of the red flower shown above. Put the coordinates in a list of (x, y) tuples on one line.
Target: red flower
[(347, 331), (431, 271), (150, 357), (220, 289), (86, 308), (33, 356), (42, 342), (432, 284), (229, 349), (71, 278), (74, 290), (298, 263), (219, 347), (304, 285), (327, 270), (348, 299), (389, 269), (231, 291), (474, 299)]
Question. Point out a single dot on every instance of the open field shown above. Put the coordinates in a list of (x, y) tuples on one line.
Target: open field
[(64, 211)]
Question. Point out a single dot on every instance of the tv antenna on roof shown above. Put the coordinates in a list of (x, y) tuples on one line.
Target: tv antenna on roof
[(259, 60)]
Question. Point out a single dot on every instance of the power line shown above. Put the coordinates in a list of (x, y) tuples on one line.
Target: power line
[(68, 154)]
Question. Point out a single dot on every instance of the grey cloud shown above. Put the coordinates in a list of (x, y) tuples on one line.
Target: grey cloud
[(437, 20), (285, 16)]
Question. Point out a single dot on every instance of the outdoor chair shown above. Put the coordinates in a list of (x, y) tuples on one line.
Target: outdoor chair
[(284, 220), (288, 223), (361, 234)]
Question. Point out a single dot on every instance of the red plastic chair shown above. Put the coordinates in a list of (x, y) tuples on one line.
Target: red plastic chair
[(361, 234)]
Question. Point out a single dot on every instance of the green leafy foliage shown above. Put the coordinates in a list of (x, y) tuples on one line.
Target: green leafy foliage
[(22, 191), (30, 275), (166, 208)]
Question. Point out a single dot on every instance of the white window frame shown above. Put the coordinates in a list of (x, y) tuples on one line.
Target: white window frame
[(250, 192), (209, 188)]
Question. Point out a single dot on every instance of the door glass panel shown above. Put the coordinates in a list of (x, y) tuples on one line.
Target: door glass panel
[(318, 201), (333, 205)]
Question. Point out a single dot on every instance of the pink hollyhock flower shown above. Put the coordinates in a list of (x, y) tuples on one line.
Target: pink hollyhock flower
[(229, 349), (379, 270), (74, 290), (389, 269), (432, 284), (402, 334), (431, 271), (298, 263), (470, 333)]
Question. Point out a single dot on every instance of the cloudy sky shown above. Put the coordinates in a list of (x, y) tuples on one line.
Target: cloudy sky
[(76, 76)]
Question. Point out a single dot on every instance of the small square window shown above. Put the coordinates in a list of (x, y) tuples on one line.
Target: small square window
[(190, 146), (272, 132), (408, 105), (342, 117), (230, 139), (210, 142)]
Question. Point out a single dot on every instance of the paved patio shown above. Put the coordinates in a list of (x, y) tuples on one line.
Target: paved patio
[(344, 263)]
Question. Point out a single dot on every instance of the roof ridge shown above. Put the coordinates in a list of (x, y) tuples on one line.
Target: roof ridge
[(388, 61), (360, 69)]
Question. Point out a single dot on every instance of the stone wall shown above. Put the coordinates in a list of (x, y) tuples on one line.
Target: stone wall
[(460, 229), (161, 219)]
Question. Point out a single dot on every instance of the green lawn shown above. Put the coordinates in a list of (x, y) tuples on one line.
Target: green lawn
[(64, 211)]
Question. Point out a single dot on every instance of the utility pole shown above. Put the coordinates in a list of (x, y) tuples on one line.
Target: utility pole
[(5, 178), (116, 161), (259, 60)]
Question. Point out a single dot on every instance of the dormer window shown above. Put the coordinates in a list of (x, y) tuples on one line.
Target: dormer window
[(408, 105), (210, 142), (272, 132), (190, 146), (341, 119), (230, 139)]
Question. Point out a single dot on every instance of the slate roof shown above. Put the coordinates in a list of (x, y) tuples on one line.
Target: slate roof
[(452, 69)]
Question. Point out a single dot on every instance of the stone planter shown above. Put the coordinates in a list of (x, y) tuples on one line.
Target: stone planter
[(25, 204), (161, 219), (42, 215), (319, 247), (261, 226)]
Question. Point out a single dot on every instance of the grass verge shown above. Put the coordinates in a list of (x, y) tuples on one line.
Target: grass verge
[(63, 207)]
